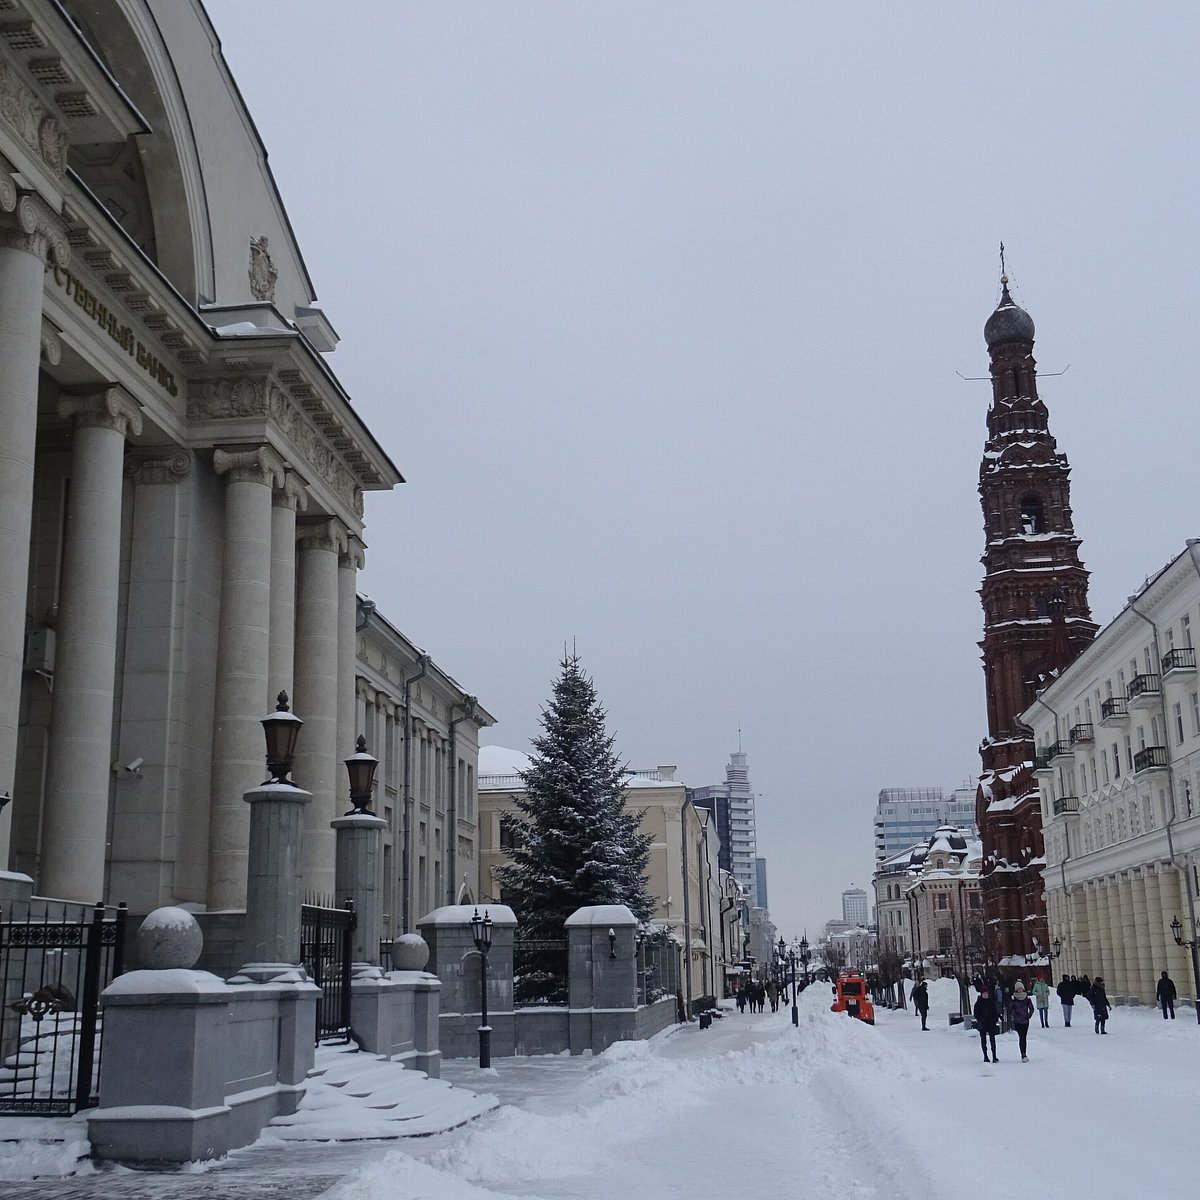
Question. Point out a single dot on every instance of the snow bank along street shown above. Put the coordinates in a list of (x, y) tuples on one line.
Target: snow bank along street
[(832, 1109)]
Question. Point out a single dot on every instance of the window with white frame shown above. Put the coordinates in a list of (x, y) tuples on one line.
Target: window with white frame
[(1178, 713)]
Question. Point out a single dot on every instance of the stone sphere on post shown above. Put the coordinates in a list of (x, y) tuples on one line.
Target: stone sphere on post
[(169, 939), (410, 952)]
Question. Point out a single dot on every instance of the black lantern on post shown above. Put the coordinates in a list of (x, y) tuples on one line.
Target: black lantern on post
[(282, 729), (481, 931), (361, 767), (792, 965), (1180, 940)]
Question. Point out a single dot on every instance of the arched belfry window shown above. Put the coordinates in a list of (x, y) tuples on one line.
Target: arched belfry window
[(1032, 517)]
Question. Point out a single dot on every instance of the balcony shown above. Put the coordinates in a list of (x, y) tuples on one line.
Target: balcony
[(1179, 663), (1041, 762), (1081, 735), (1145, 691), (1114, 711), (1061, 752), (1066, 804), (1152, 758)]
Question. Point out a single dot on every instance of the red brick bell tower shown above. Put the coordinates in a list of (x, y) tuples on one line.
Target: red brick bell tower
[(1035, 621)]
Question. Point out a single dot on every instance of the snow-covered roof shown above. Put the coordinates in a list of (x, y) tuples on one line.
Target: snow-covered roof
[(500, 760), (461, 914), (601, 914)]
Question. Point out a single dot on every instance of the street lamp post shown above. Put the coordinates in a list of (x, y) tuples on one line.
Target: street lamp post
[(481, 931), (1180, 940)]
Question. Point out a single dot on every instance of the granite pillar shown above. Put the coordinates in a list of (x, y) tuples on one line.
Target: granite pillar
[(317, 697), (243, 690), (78, 772), (28, 234)]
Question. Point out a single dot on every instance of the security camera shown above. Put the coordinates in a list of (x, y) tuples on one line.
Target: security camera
[(134, 767)]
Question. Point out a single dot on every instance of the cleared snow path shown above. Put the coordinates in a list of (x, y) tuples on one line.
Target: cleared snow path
[(833, 1109)]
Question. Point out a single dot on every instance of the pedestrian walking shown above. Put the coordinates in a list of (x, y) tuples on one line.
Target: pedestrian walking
[(1066, 997), (1001, 1001), (1099, 1002), (984, 1013), (920, 999), (1020, 1010), (1041, 997), (1165, 993), (741, 999)]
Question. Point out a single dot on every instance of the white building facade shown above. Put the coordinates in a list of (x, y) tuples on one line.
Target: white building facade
[(1118, 741), (182, 479)]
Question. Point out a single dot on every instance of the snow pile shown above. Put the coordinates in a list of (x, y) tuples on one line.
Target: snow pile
[(43, 1147)]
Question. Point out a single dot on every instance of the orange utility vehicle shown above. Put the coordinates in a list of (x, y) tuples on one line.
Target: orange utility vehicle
[(850, 996)]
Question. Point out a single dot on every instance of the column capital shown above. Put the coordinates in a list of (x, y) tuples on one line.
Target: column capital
[(51, 343), (365, 691), (168, 467), (354, 556), (28, 224), (291, 493), (254, 464), (112, 408), (327, 534)]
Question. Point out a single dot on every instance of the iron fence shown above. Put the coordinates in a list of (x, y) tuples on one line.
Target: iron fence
[(51, 975), (539, 972), (658, 967), (325, 935)]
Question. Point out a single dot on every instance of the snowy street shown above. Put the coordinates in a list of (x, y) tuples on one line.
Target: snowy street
[(834, 1109)]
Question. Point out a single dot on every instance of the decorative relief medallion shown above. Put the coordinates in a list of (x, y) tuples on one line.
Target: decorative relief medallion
[(262, 270), (34, 124)]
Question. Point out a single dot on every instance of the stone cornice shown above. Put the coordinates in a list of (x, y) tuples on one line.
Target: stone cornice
[(261, 400), (112, 408)]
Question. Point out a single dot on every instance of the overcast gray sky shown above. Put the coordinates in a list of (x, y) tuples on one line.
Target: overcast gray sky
[(658, 307)]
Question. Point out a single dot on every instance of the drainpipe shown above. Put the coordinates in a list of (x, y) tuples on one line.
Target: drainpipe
[(687, 912), (468, 705), (423, 663)]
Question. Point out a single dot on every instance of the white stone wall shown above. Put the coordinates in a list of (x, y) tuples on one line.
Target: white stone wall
[(1123, 836)]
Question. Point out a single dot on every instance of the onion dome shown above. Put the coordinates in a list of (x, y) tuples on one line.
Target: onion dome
[(1009, 323)]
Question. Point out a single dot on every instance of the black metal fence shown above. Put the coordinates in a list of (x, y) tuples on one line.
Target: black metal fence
[(539, 972), (325, 935), (52, 972), (657, 967)]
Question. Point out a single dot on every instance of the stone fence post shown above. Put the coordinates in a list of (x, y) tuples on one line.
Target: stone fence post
[(602, 979)]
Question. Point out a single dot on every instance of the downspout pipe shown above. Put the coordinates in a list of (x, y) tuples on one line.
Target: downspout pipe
[(687, 911), (423, 664), (468, 704)]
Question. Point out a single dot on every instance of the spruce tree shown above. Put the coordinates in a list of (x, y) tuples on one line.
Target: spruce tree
[(575, 842)]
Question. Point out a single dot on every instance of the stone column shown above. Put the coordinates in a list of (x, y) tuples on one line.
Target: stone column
[(1134, 943), (1174, 885), (349, 564), (28, 234), (1115, 949), (274, 881), (1102, 959), (1159, 934), (242, 688), (1087, 964), (78, 773), (281, 657), (318, 761), (158, 842), (360, 878), (1079, 938)]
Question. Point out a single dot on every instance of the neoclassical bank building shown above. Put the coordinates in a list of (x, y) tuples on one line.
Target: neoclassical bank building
[(182, 476)]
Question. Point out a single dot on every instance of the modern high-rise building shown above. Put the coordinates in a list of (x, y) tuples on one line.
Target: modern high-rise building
[(906, 816), (1036, 620), (760, 882), (855, 908), (732, 804)]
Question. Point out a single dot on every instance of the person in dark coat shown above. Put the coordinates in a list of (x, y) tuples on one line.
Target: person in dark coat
[(1100, 1005), (1165, 994), (984, 1013), (1066, 997), (920, 1000), (1020, 1012), (1084, 988)]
